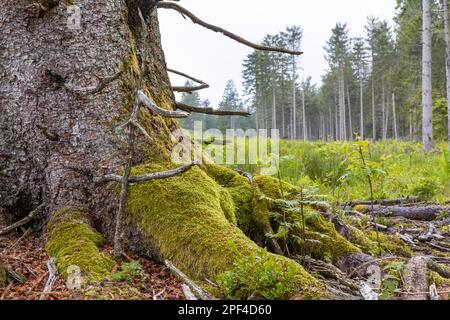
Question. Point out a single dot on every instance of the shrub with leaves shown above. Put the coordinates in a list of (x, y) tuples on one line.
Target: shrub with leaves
[(130, 271), (426, 188), (392, 279), (258, 276)]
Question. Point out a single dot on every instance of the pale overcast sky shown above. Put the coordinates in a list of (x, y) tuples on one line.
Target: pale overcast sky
[(215, 59)]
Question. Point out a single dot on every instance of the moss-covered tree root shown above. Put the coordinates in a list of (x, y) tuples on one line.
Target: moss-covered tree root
[(74, 242)]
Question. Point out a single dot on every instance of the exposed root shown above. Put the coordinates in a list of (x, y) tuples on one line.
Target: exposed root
[(24, 221)]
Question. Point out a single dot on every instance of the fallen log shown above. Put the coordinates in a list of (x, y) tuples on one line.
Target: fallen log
[(415, 279), (386, 202), (439, 269), (428, 213)]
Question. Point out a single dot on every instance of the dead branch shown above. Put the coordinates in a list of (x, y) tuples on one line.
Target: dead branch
[(151, 105), (211, 111), (147, 177), (188, 293), (52, 273), (330, 271), (24, 221), (201, 293), (184, 89), (196, 20), (431, 234)]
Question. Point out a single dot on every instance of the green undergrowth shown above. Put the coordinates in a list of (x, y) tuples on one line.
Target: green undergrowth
[(73, 242)]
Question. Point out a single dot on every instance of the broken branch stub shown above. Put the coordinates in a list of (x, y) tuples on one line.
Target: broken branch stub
[(147, 102)]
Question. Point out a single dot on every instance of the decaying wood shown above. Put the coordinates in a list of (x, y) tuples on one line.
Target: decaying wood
[(203, 295), (210, 111), (441, 270), (24, 221), (196, 20), (52, 273), (245, 174), (386, 202), (434, 295), (415, 279), (432, 234), (184, 89), (428, 213), (330, 271), (188, 293)]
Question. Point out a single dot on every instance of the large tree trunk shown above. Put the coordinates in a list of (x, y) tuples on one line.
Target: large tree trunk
[(53, 138)]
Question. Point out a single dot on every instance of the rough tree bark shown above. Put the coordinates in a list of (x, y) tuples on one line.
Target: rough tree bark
[(54, 135)]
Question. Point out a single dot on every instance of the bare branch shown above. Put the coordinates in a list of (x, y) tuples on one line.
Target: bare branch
[(148, 102), (196, 20), (52, 271), (147, 177), (202, 85), (24, 221), (211, 111), (202, 294)]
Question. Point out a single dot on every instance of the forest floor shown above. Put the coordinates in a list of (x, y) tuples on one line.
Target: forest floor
[(24, 253)]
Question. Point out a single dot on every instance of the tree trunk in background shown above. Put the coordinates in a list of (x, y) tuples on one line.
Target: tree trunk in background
[(383, 110), (374, 123), (361, 120), (342, 127), (447, 58), (53, 140), (350, 121), (394, 111), (305, 131), (274, 108), (294, 101), (427, 100)]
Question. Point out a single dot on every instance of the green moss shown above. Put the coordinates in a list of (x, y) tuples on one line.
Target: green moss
[(361, 208), (367, 241), (185, 217), (435, 278), (73, 242), (332, 245), (272, 188), (241, 193)]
